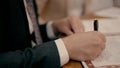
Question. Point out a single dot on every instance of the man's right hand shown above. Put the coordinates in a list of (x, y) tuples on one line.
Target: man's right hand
[(85, 45)]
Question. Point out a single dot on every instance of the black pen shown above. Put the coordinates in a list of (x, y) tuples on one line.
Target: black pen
[(95, 25), (88, 62)]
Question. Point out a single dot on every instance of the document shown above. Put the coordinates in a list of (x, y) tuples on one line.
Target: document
[(111, 54)]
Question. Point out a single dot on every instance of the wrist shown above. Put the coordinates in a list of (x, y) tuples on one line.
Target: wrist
[(67, 45), (55, 30)]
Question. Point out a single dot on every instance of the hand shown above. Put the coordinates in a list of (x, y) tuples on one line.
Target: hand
[(68, 26), (85, 46)]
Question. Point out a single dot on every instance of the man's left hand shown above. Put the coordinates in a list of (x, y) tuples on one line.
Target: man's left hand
[(68, 26)]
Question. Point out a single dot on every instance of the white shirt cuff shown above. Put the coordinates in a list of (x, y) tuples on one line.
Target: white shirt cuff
[(64, 56), (50, 32)]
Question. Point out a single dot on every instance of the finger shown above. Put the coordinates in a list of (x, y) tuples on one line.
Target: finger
[(102, 36), (68, 31), (77, 26), (81, 26)]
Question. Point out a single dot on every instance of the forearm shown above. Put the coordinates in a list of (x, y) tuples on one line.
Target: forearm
[(45, 56)]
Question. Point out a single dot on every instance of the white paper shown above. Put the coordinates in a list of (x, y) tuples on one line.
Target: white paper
[(111, 55)]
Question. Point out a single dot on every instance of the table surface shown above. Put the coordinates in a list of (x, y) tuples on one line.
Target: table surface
[(73, 64)]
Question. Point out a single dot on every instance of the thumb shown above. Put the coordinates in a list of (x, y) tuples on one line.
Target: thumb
[(68, 32)]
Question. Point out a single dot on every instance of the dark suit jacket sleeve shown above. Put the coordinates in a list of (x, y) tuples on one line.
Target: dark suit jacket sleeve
[(44, 56)]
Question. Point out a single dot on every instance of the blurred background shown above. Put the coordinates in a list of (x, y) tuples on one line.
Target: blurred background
[(86, 9)]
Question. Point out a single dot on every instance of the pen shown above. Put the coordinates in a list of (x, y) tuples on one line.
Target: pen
[(88, 62), (95, 25)]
